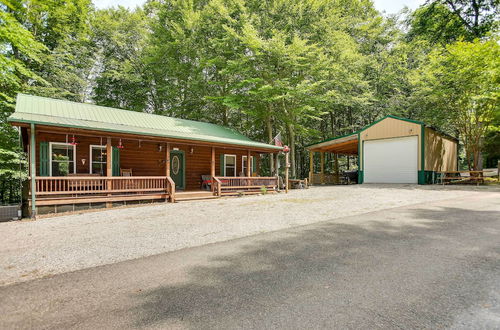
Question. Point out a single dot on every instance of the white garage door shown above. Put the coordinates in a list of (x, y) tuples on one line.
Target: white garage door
[(391, 160)]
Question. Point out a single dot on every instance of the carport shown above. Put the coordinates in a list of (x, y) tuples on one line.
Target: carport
[(390, 150)]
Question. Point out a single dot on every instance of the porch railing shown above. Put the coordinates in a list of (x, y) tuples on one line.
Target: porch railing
[(171, 188), (89, 189), (94, 185), (231, 185)]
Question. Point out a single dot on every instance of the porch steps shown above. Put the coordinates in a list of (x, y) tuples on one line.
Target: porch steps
[(193, 195)]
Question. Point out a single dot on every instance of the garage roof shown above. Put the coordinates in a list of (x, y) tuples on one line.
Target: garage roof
[(348, 144), (62, 113), (344, 144)]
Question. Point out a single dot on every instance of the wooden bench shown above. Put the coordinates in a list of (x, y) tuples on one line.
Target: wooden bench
[(448, 177)]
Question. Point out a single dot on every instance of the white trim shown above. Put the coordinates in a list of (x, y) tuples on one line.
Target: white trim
[(235, 164), (243, 163), (65, 144), (90, 155)]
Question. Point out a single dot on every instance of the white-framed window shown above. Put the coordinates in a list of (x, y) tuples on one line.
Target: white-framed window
[(62, 158), (244, 165), (230, 165), (98, 159)]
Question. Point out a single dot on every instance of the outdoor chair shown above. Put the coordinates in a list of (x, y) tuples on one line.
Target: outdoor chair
[(125, 172), (206, 182)]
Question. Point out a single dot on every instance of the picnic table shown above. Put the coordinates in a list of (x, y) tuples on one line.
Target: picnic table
[(448, 177)]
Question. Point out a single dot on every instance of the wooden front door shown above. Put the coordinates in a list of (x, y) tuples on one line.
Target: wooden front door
[(177, 168)]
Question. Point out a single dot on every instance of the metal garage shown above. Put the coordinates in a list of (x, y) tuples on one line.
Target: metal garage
[(390, 150)]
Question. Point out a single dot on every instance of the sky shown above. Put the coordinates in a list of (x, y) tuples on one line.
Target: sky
[(389, 6)]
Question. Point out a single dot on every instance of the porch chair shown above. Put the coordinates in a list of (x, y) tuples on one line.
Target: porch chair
[(206, 182), (128, 184), (125, 172)]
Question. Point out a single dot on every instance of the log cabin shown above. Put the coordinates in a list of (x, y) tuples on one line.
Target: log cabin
[(84, 156)]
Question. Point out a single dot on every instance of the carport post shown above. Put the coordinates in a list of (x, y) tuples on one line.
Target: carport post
[(322, 163), (336, 167), (311, 167)]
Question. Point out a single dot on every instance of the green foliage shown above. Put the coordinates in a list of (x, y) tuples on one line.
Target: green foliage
[(12, 173), (263, 190), (459, 87), (119, 37), (445, 21)]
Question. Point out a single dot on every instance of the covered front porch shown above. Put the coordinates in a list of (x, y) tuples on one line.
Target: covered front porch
[(330, 152), (76, 169), (84, 156)]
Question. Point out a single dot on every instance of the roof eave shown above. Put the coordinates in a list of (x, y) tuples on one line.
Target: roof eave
[(260, 146)]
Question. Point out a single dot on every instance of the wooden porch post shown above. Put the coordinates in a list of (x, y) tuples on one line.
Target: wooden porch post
[(33, 170), (167, 160), (336, 167), (322, 167), (212, 170), (276, 168), (109, 169), (167, 168), (249, 164), (311, 167)]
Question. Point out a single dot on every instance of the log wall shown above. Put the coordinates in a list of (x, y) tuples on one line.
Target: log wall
[(146, 158)]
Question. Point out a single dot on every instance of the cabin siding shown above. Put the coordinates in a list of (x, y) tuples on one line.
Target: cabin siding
[(145, 159)]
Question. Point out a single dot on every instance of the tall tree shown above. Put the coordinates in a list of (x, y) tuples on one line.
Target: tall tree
[(119, 37), (444, 21), (18, 51), (460, 86), (63, 27)]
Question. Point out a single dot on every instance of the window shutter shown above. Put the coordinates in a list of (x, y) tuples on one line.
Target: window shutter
[(115, 162), (44, 159), (254, 165), (222, 165)]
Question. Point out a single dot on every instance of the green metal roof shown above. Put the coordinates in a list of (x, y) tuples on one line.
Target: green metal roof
[(62, 113)]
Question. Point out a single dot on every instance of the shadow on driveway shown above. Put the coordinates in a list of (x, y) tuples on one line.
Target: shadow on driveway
[(380, 275)]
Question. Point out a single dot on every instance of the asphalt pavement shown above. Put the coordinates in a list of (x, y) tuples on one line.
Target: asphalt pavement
[(433, 265)]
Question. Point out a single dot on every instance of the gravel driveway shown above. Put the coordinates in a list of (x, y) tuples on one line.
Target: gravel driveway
[(33, 249)]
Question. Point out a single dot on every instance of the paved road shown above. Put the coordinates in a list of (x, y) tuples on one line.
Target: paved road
[(426, 266)]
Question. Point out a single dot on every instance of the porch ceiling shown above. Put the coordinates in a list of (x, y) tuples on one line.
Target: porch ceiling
[(345, 145)]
